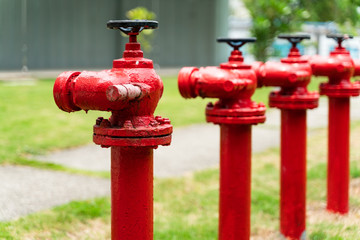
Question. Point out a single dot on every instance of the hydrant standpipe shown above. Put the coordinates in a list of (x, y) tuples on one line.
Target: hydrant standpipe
[(131, 91), (292, 75), (233, 83), (339, 68)]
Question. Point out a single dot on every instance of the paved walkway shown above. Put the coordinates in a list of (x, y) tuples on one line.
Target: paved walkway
[(24, 190)]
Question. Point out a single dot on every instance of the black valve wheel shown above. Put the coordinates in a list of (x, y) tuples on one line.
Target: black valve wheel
[(294, 39), (339, 38), (132, 26), (236, 43)]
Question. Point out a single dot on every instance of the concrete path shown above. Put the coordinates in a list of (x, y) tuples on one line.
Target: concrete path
[(24, 190)]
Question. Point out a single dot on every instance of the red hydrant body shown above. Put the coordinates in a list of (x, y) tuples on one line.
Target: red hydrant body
[(293, 99), (131, 91), (233, 84), (339, 68)]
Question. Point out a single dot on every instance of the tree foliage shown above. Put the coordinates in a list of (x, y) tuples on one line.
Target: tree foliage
[(340, 11), (272, 17)]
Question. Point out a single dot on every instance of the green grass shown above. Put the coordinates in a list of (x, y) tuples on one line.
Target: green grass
[(31, 123), (186, 207), (56, 223)]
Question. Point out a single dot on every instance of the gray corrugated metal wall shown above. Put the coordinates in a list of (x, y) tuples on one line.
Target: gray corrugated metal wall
[(73, 34), (10, 37)]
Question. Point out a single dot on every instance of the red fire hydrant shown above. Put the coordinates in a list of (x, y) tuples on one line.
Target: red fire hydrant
[(338, 67), (292, 75), (233, 83), (131, 91)]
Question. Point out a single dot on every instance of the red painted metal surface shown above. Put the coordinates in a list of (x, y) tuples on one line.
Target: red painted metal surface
[(131, 91), (292, 75), (132, 193), (338, 67), (233, 84), (293, 173), (235, 181), (338, 156)]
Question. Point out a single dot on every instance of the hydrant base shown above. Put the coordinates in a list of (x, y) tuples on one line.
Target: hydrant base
[(139, 136)]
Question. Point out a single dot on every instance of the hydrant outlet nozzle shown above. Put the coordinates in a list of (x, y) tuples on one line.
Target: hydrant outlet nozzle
[(123, 92), (63, 94)]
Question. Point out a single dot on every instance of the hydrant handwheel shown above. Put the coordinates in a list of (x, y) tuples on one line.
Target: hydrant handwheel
[(236, 59), (339, 38), (132, 26), (294, 39), (236, 43)]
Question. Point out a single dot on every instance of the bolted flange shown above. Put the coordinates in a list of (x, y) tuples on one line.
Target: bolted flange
[(157, 132), (249, 113)]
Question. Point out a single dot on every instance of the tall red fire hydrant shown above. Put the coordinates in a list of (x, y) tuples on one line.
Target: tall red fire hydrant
[(292, 75), (233, 83), (338, 67), (131, 91)]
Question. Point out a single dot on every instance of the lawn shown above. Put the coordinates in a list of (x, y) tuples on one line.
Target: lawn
[(185, 208)]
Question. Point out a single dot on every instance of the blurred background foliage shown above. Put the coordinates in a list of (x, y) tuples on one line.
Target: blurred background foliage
[(272, 17)]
